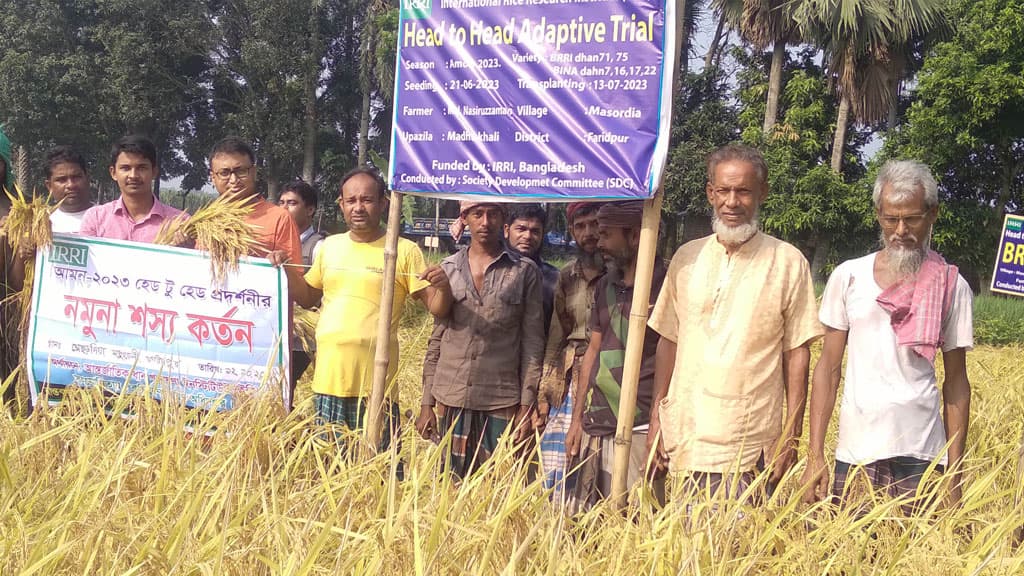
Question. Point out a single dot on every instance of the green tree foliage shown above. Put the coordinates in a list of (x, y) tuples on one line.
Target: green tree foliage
[(809, 204), (86, 72), (860, 39), (703, 120), (967, 122)]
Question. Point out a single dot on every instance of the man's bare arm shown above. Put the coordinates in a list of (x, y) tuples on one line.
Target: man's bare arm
[(956, 400), (827, 373)]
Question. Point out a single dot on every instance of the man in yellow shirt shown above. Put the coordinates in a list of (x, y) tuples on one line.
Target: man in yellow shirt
[(347, 273)]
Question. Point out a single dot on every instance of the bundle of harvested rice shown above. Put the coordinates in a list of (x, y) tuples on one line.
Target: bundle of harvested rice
[(28, 227), (304, 328), (220, 229), (25, 228)]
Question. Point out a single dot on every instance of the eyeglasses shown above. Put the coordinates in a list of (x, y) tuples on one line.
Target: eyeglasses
[(238, 173), (911, 220)]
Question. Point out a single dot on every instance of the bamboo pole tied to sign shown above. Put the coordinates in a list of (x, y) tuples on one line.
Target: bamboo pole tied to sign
[(375, 409)]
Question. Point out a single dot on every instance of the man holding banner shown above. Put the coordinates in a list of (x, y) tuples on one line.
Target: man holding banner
[(346, 274), (736, 316), (483, 362), (137, 215)]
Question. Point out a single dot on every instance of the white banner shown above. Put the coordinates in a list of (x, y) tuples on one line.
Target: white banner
[(127, 317)]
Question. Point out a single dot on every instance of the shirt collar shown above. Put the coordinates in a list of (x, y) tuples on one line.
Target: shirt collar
[(305, 235), (159, 208), (579, 272), (462, 256)]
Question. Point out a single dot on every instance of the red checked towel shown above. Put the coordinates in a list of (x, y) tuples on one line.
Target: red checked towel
[(916, 307)]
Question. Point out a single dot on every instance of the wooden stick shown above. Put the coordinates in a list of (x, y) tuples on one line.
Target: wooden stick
[(375, 409), (635, 346)]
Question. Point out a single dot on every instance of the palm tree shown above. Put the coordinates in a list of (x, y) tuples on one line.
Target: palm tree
[(687, 13), (864, 42), (765, 23)]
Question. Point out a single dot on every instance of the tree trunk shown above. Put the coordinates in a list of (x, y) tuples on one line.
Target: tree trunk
[(839, 142), (896, 66), (365, 85), (771, 109), (364, 129), (684, 42), (156, 187), (822, 246), (669, 233), (272, 182), (312, 81), (711, 56)]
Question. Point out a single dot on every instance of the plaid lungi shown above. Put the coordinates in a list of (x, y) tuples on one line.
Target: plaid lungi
[(897, 477), (351, 413), (553, 460), (593, 469), (474, 436)]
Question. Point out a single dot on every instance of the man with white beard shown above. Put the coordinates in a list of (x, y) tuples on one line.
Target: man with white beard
[(894, 309), (736, 316)]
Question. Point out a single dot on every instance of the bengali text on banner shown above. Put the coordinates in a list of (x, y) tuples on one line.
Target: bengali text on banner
[(532, 99), (127, 317)]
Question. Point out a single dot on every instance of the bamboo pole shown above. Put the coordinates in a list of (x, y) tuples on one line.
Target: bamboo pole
[(374, 411), (646, 254)]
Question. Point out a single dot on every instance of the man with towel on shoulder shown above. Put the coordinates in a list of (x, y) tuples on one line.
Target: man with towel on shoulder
[(895, 309)]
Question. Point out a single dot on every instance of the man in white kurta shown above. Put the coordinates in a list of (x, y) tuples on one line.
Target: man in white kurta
[(894, 310)]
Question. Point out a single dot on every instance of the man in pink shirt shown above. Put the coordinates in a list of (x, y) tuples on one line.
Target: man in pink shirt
[(137, 215)]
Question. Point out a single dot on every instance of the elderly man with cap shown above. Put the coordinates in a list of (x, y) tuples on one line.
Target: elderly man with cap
[(597, 391), (483, 361), (567, 341)]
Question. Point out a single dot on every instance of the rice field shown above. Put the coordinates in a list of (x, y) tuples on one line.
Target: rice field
[(267, 494)]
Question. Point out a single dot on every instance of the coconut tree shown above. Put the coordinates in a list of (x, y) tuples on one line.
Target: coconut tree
[(765, 23), (864, 43)]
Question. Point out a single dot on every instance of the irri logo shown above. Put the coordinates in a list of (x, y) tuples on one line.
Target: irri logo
[(69, 254), (416, 9)]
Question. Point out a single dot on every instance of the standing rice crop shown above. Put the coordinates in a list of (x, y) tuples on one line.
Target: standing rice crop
[(81, 493)]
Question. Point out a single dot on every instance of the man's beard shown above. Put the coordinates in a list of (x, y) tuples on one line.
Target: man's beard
[(904, 262), (589, 259), (618, 262), (734, 235)]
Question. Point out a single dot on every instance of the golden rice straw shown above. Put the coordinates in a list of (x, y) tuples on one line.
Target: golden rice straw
[(304, 328), (27, 227), (220, 229)]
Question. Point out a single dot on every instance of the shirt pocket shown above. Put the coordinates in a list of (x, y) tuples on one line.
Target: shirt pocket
[(506, 310), (722, 419)]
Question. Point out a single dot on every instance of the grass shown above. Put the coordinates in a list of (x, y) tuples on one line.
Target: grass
[(998, 320), (81, 493)]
